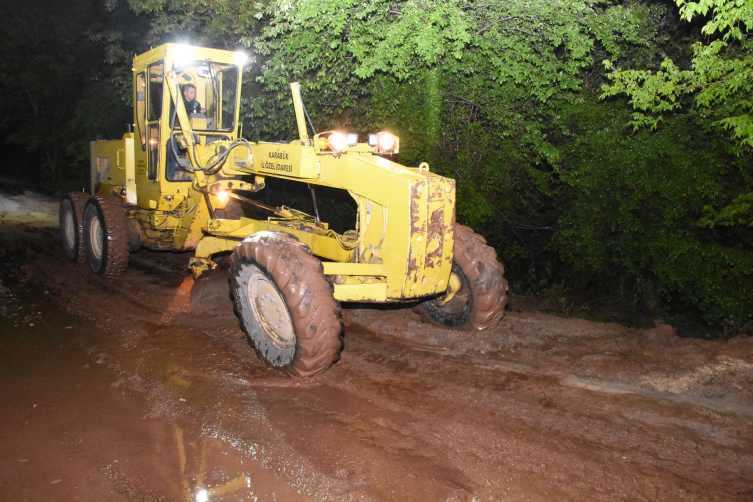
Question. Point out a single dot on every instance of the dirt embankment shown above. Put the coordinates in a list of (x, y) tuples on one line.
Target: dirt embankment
[(539, 408)]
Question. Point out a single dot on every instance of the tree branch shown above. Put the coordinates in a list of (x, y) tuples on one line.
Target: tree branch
[(502, 20), (444, 156), (465, 101)]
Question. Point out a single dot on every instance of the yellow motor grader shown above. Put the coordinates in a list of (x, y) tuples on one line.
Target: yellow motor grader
[(176, 181)]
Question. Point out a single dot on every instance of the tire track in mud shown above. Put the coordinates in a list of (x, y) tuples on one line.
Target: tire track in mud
[(668, 445), (607, 387)]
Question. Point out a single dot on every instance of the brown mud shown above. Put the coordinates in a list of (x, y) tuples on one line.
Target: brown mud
[(113, 390)]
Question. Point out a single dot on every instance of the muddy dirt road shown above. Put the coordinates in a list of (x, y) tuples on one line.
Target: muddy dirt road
[(114, 390)]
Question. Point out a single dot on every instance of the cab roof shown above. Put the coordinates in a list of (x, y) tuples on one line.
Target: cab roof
[(169, 52)]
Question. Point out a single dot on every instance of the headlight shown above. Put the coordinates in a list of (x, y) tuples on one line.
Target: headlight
[(337, 141), (334, 141), (386, 142)]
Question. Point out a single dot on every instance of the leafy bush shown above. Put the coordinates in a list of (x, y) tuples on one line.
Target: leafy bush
[(637, 211)]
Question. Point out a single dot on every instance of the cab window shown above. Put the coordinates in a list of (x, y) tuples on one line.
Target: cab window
[(154, 100), (210, 93), (156, 79), (141, 108)]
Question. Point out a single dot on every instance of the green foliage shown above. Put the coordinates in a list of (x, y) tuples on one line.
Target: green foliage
[(220, 23), (738, 212), (500, 57), (637, 212), (731, 18), (719, 81), (717, 89)]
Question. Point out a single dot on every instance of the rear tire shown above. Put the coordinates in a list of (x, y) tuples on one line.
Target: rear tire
[(285, 304), (480, 302), (106, 239), (72, 225)]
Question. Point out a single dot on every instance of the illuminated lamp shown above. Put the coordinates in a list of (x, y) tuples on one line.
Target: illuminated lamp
[(337, 141)]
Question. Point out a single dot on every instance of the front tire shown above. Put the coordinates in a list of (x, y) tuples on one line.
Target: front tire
[(106, 239), (480, 302), (72, 225), (285, 304)]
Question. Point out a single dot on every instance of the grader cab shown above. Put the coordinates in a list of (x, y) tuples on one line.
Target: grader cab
[(176, 182)]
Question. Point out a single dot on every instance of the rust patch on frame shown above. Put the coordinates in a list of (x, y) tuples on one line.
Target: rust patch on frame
[(414, 267), (436, 231)]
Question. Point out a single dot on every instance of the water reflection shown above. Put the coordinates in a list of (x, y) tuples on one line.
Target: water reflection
[(200, 492)]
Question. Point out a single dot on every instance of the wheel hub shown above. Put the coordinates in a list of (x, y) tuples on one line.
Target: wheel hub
[(456, 301), (70, 230), (95, 230), (453, 287), (269, 308)]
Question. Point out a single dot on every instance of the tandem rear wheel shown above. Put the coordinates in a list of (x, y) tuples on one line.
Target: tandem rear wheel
[(72, 225), (105, 235)]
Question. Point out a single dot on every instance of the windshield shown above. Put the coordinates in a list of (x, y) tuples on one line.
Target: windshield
[(210, 92)]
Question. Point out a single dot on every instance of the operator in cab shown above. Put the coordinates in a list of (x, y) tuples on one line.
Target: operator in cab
[(189, 100)]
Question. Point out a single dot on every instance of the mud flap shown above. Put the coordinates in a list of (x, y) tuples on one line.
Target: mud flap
[(210, 294)]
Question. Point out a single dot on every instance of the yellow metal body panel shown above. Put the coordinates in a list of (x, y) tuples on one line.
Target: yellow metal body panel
[(112, 164), (366, 269), (287, 160), (376, 293)]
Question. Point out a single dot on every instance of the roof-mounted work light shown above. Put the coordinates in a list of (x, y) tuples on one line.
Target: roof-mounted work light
[(241, 58), (184, 54)]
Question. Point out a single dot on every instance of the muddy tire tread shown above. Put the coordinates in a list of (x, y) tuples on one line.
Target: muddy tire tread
[(308, 294), (485, 273), (487, 276), (115, 228), (78, 203)]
